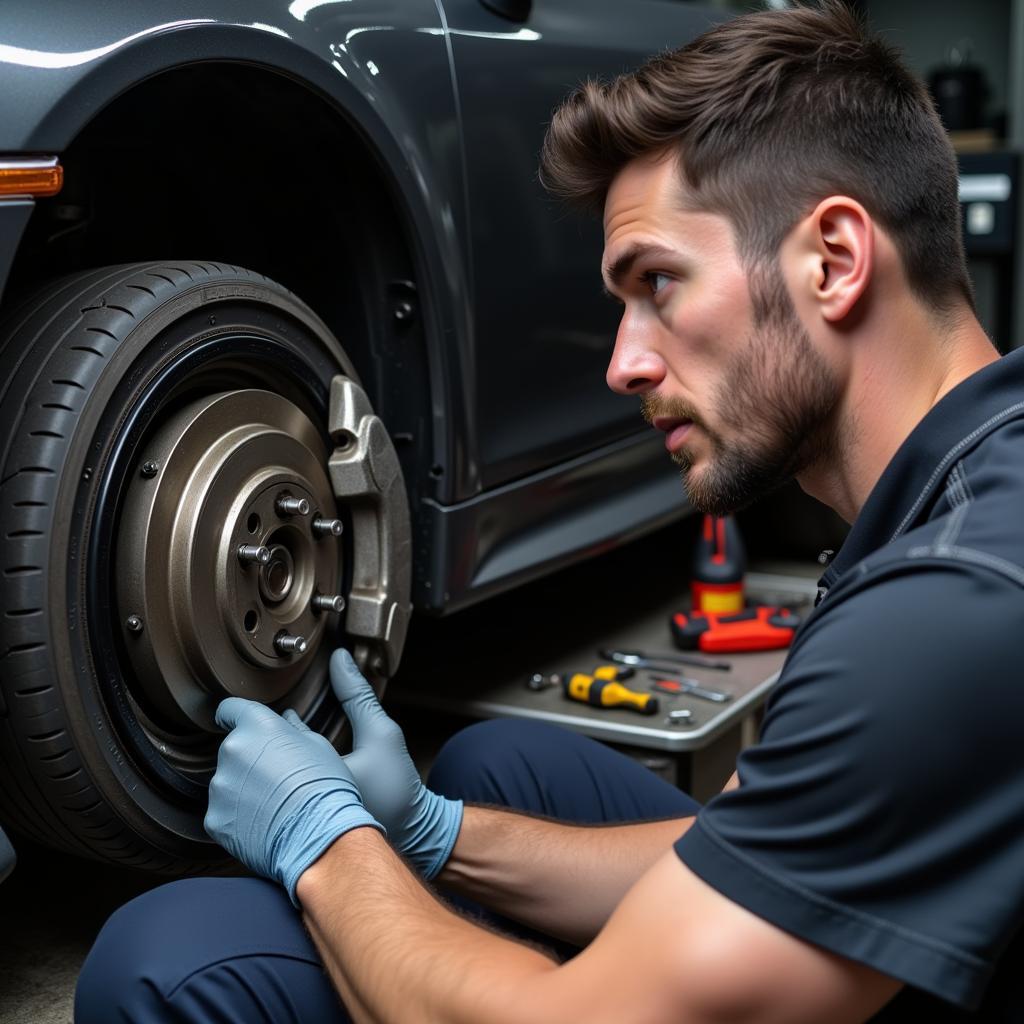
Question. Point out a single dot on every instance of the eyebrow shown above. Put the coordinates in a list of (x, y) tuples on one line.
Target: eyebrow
[(618, 270)]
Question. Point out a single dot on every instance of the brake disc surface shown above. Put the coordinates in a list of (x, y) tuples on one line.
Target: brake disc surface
[(228, 556)]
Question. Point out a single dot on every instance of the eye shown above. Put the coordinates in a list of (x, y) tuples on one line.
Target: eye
[(656, 281)]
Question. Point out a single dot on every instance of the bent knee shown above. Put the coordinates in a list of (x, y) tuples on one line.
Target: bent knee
[(120, 979), (150, 946), (496, 762)]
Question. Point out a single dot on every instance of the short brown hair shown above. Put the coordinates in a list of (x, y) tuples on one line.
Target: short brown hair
[(768, 114)]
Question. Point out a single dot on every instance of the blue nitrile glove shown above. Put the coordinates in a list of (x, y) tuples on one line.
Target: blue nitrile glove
[(281, 793), (421, 825)]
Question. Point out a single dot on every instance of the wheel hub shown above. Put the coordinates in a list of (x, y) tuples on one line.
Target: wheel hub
[(222, 555), (277, 576)]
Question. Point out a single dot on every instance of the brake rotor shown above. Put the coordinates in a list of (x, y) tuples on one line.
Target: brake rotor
[(228, 559)]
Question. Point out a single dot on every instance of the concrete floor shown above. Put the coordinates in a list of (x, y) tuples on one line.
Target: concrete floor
[(51, 909), (53, 905)]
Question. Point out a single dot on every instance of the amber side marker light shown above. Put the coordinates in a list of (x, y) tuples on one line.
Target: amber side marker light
[(30, 177)]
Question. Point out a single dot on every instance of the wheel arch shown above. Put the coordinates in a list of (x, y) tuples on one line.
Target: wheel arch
[(355, 262)]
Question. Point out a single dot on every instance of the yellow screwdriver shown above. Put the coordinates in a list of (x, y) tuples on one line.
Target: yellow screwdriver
[(602, 689)]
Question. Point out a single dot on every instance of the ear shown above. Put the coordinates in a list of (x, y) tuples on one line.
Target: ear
[(838, 243)]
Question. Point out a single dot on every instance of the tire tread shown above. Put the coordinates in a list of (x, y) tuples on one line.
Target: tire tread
[(55, 347)]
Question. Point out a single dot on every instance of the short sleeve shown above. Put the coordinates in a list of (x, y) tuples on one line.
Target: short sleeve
[(881, 814)]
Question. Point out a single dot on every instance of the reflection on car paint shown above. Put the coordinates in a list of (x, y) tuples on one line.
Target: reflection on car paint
[(263, 28), (298, 9), (46, 59), (526, 35)]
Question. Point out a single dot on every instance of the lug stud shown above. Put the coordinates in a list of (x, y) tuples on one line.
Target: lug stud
[(286, 505), (252, 553), (285, 643), (328, 603), (133, 623), (328, 527)]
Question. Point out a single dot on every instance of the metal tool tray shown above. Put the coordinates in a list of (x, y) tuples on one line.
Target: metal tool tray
[(486, 686)]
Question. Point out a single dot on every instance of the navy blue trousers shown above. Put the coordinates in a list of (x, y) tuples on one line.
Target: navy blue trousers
[(219, 950)]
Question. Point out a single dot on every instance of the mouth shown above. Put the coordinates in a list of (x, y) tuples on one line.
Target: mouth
[(675, 429)]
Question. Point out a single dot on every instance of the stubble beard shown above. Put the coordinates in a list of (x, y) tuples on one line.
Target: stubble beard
[(782, 396)]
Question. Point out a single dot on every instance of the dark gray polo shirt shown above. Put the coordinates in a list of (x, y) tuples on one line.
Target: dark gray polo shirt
[(881, 815)]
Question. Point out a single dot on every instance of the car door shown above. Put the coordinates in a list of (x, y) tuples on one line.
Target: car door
[(543, 329)]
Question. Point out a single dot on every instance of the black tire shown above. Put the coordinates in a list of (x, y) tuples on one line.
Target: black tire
[(83, 365)]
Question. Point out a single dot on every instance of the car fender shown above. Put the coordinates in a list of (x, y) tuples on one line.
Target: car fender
[(385, 68)]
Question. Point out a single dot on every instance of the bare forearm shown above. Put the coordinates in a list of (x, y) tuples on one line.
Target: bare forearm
[(563, 880), (368, 915)]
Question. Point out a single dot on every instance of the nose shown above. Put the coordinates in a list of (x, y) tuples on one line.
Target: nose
[(635, 367)]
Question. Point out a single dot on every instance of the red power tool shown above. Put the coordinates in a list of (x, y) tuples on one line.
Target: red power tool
[(755, 629)]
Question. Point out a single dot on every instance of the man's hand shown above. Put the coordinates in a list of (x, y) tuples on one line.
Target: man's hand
[(281, 793), (421, 825)]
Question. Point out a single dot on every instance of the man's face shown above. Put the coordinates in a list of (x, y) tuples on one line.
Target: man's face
[(717, 354)]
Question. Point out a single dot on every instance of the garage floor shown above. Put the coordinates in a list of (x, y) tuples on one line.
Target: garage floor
[(50, 911), (53, 905)]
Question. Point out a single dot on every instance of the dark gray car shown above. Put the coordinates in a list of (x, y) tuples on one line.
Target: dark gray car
[(297, 346)]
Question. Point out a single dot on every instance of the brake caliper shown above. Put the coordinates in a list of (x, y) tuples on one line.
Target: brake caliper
[(367, 479)]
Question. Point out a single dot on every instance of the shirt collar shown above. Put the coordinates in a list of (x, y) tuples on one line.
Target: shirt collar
[(948, 430)]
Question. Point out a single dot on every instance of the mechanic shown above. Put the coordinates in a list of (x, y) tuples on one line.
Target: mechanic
[(783, 231)]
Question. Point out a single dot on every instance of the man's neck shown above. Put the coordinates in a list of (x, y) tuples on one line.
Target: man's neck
[(898, 372)]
